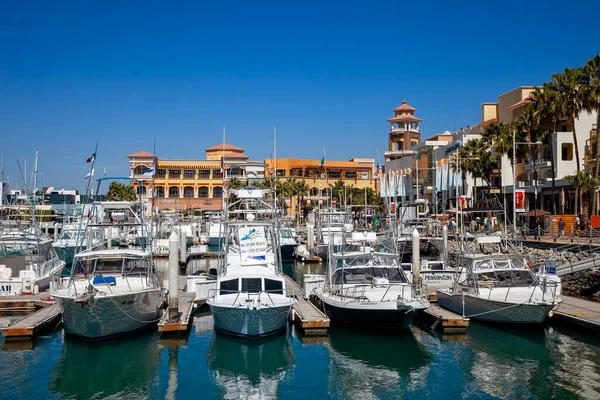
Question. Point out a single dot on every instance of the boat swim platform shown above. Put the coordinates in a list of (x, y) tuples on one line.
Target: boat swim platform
[(305, 315), (32, 325), (310, 259), (444, 320), (578, 312), (187, 307)]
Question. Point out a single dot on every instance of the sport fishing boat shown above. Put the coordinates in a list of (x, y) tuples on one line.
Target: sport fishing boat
[(111, 291), (215, 230), (287, 243), (333, 228), (72, 238), (27, 261), (251, 298), (501, 288), (368, 290)]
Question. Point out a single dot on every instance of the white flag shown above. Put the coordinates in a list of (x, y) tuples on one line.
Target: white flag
[(149, 173), (91, 173)]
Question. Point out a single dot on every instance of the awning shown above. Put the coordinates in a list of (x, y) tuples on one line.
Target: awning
[(533, 213)]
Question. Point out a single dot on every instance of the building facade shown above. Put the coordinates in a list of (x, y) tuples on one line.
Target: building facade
[(192, 184)]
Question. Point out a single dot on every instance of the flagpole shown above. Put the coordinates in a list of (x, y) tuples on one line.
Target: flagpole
[(326, 177), (92, 171), (223, 173), (153, 175)]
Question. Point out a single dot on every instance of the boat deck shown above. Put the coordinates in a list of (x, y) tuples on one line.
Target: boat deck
[(32, 325), (575, 311), (306, 316), (445, 320), (186, 309)]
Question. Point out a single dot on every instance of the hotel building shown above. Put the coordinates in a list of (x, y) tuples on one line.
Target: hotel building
[(192, 184)]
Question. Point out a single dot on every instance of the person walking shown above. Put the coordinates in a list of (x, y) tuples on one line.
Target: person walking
[(561, 228), (577, 224)]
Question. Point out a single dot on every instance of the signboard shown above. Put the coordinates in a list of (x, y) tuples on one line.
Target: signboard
[(392, 208), (253, 244), (520, 201), (461, 203), (551, 266)]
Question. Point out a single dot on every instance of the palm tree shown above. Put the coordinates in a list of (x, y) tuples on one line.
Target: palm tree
[(290, 188), (301, 191), (591, 103), (478, 160), (234, 183), (119, 191), (569, 94), (580, 181)]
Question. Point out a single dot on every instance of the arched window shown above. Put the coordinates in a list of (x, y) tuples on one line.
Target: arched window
[(203, 192), (314, 191), (141, 190), (173, 191), (159, 191), (218, 192), (188, 191)]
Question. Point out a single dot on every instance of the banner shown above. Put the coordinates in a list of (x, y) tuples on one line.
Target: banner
[(461, 202), (520, 201)]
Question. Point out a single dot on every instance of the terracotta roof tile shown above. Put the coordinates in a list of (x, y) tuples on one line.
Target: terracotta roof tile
[(404, 117), (404, 107), (224, 146), (141, 154), (521, 103)]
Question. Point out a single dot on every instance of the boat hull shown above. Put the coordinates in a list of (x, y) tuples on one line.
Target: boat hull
[(350, 315), (251, 323), (108, 316), (494, 311), (287, 252)]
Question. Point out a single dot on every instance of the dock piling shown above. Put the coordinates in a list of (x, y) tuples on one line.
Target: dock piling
[(445, 243), (173, 276)]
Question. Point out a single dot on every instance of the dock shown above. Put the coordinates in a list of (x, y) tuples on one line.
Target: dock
[(305, 315), (445, 320), (23, 304), (579, 312), (32, 325), (186, 309)]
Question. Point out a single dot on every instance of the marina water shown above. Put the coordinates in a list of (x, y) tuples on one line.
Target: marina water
[(485, 363)]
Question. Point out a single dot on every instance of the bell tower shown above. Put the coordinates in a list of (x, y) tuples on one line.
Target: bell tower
[(404, 128)]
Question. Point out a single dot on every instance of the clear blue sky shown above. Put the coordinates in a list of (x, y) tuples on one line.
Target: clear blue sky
[(326, 73)]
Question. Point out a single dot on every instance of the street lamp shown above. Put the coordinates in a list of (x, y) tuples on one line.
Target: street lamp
[(514, 159)]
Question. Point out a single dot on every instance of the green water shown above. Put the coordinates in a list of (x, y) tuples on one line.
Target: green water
[(485, 363)]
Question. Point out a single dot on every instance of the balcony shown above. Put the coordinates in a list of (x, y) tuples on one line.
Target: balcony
[(540, 164), (525, 184)]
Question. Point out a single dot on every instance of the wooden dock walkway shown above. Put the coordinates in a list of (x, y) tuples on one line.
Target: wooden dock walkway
[(579, 312), (33, 324), (186, 309), (305, 315), (445, 320), (23, 303)]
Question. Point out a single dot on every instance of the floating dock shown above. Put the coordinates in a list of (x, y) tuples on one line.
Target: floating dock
[(186, 309), (305, 315), (23, 303), (579, 312), (445, 320), (33, 324)]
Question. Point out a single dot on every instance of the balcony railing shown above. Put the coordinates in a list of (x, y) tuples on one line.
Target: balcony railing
[(539, 164)]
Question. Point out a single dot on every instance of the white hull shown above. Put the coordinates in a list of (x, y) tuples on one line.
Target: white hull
[(243, 321), (104, 316), (494, 310)]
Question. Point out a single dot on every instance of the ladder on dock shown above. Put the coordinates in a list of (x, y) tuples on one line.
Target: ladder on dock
[(32, 325), (186, 309), (305, 315), (445, 320)]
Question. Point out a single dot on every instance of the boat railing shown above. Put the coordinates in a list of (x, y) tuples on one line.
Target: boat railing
[(409, 292), (251, 296), (547, 288)]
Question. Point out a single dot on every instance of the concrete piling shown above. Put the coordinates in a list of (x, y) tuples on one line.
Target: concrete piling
[(173, 276)]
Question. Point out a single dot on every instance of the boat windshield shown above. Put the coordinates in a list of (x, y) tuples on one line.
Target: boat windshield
[(285, 233), (506, 278), (365, 275), (111, 266)]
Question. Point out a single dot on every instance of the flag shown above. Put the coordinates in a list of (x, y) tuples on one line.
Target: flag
[(322, 164), (148, 173), (377, 170), (90, 174), (90, 158)]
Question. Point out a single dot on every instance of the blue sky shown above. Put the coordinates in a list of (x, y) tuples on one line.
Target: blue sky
[(326, 73)]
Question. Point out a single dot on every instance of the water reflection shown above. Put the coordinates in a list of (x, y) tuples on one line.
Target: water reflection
[(126, 367), (249, 369), (365, 365)]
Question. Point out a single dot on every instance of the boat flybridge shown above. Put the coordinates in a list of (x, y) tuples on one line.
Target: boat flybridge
[(334, 227), (27, 259), (367, 289), (250, 299), (501, 287), (112, 288)]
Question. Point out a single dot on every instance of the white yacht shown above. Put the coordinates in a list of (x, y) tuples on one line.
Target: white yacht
[(110, 291), (215, 230), (434, 272), (251, 298), (368, 290), (287, 243), (72, 238), (501, 288), (333, 227), (27, 262)]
